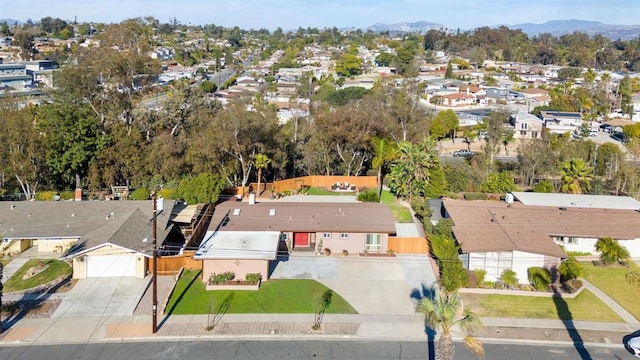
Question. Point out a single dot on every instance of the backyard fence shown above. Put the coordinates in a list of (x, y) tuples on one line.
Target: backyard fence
[(409, 245), (172, 264)]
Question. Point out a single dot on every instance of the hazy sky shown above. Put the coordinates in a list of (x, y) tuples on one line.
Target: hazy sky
[(290, 14)]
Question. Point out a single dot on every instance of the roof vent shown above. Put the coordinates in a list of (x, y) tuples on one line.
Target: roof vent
[(563, 208), (73, 215), (272, 212), (236, 212), (13, 207)]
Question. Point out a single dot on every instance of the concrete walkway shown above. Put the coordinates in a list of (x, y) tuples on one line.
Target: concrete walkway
[(624, 314), (12, 267)]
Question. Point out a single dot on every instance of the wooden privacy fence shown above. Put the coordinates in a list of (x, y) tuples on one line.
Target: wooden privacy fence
[(324, 182), (406, 245), (173, 264)]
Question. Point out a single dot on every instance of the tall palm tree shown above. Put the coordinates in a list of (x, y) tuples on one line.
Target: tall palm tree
[(576, 177), (442, 313), (261, 162), (384, 152), (611, 251), (508, 136)]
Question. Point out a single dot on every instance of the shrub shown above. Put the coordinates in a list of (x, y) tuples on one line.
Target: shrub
[(67, 195), (327, 251), (633, 278), (539, 277), (611, 251), (475, 196), (167, 193), (217, 279), (345, 253), (472, 279), (570, 268), (253, 278), (509, 279), (45, 195), (368, 196), (480, 276), (140, 194), (543, 186), (572, 285)]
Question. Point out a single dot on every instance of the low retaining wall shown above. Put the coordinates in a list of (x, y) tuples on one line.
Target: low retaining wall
[(481, 291), (235, 287), (45, 288)]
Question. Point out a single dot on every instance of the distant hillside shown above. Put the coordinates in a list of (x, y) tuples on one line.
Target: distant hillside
[(561, 27), (10, 21), (554, 27), (405, 27)]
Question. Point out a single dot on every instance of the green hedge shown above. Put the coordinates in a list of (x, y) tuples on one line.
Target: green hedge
[(475, 196), (45, 195)]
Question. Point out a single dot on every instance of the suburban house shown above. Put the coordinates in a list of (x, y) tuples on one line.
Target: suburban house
[(526, 126), (101, 238), (560, 122), (503, 95), (517, 235), (537, 95), (477, 92), (244, 237), (14, 76), (458, 99)]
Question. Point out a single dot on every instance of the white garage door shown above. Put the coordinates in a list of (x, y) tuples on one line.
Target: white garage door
[(111, 265)]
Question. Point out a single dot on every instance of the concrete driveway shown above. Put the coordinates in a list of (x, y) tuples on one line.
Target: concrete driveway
[(98, 297), (371, 286)]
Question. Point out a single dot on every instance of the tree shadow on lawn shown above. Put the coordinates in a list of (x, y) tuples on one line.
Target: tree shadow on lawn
[(180, 297), (429, 293)]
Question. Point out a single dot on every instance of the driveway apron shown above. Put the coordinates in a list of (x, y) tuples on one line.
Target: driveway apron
[(98, 297)]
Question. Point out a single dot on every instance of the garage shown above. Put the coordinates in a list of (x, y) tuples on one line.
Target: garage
[(111, 265)]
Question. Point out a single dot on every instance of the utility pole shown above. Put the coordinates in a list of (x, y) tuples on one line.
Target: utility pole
[(155, 264), (1, 287)]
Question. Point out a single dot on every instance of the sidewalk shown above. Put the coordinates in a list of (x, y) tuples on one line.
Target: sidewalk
[(275, 326)]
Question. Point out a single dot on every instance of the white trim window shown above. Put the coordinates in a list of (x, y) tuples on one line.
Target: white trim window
[(344, 236), (326, 235), (373, 242)]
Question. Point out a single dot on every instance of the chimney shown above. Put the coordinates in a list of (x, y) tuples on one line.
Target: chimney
[(78, 194)]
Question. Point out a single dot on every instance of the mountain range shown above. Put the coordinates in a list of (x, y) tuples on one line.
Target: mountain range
[(554, 27)]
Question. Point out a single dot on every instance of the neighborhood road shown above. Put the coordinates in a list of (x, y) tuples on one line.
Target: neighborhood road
[(297, 349)]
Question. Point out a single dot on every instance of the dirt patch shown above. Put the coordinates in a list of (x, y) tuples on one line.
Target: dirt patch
[(66, 286), (577, 336), (30, 309)]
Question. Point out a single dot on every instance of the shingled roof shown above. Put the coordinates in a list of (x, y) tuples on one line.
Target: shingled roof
[(122, 223), (303, 217), (481, 226)]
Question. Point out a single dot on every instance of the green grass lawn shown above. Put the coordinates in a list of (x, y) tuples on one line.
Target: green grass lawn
[(274, 296), (400, 212), (585, 306), (56, 268), (611, 280), (5, 261), (323, 191)]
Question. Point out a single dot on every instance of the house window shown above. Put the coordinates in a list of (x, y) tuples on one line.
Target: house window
[(571, 240), (523, 126), (373, 243), (344, 235), (326, 235), (523, 133), (493, 262), (534, 134)]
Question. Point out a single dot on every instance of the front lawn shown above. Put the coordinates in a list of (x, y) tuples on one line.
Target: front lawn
[(275, 296), (585, 306), (611, 280), (323, 191), (56, 269), (5, 261), (400, 212)]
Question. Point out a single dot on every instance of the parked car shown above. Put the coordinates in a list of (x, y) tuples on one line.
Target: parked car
[(593, 132), (631, 342), (463, 153), (606, 128)]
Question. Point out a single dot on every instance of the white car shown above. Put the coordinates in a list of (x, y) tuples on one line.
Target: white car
[(631, 342)]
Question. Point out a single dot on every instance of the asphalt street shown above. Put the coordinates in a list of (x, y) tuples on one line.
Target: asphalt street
[(194, 349)]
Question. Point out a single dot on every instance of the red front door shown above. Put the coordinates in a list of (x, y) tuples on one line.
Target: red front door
[(300, 239)]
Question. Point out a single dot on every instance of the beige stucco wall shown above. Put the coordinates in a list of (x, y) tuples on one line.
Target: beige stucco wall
[(354, 244), (240, 267), (55, 245), (79, 265), (15, 246)]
